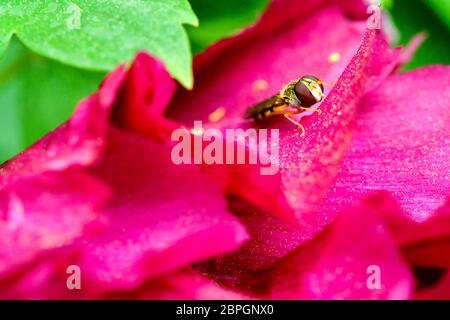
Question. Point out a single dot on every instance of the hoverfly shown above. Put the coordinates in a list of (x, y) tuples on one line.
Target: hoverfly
[(296, 97)]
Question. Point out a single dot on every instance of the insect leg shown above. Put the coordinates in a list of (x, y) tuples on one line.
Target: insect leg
[(288, 116), (308, 109)]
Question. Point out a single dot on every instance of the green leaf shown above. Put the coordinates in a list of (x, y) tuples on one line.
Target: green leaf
[(412, 17), (98, 34), (387, 4), (442, 9), (222, 18), (36, 95)]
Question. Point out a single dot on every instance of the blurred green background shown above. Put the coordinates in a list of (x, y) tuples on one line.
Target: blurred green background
[(37, 94)]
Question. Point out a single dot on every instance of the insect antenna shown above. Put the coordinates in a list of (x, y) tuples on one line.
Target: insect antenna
[(327, 84)]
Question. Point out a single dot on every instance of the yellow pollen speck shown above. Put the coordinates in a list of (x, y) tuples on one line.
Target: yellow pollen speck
[(218, 114), (197, 131), (334, 57), (260, 85)]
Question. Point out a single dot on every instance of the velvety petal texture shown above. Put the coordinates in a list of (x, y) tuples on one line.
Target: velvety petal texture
[(183, 285), (47, 199), (357, 209), (152, 216), (46, 212), (161, 216), (356, 258), (335, 265), (260, 67), (307, 164), (147, 90), (403, 136)]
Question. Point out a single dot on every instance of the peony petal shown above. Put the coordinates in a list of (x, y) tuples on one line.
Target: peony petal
[(261, 67), (47, 199), (310, 165), (236, 177), (181, 285), (340, 263), (436, 291), (144, 96), (45, 278), (235, 89), (162, 216), (271, 238), (280, 14), (402, 144), (427, 244), (45, 212), (331, 266)]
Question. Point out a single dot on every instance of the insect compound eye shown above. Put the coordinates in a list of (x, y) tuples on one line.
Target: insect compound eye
[(309, 91)]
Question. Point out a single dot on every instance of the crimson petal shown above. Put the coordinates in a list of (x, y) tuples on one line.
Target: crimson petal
[(402, 144)]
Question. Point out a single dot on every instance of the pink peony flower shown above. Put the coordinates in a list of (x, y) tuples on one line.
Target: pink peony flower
[(366, 190)]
